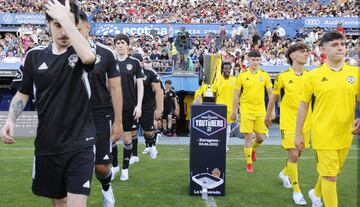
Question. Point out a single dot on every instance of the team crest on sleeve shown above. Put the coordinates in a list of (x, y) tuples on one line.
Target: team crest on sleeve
[(18, 76), (73, 60), (351, 79), (98, 59), (129, 66)]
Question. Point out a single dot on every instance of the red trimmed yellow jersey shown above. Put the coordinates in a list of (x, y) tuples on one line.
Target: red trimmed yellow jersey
[(252, 85), (224, 89), (290, 86), (333, 114)]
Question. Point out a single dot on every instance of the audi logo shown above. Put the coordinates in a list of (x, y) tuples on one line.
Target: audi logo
[(312, 22)]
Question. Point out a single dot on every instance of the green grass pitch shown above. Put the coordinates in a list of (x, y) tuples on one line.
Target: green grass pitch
[(164, 182)]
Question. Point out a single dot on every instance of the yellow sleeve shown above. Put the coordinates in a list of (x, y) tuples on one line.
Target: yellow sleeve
[(308, 89), (278, 84), (238, 83), (268, 83), (358, 81), (214, 87)]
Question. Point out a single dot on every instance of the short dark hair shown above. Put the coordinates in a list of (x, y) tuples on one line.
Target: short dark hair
[(168, 82), (330, 36), (223, 64), (254, 53), (83, 16), (74, 8), (122, 36), (293, 48)]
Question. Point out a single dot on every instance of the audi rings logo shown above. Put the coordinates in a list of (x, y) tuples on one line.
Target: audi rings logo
[(7, 18), (312, 22)]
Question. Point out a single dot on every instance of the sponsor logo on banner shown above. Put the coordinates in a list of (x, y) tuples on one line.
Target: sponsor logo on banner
[(7, 18), (22, 18), (312, 22), (209, 123)]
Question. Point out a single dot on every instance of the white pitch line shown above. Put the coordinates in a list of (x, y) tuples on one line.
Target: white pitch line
[(211, 202)]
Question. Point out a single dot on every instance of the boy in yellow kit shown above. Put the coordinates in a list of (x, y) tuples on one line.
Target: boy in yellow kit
[(334, 86), (289, 84), (224, 90), (251, 84)]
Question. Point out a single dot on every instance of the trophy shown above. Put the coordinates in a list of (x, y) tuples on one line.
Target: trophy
[(210, 63)]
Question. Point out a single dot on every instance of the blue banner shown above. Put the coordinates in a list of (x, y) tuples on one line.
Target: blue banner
[(22, 18), (332, 22), (290, 25), (111, 29)]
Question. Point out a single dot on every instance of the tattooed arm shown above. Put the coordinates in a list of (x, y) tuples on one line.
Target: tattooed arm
[(17, 105)]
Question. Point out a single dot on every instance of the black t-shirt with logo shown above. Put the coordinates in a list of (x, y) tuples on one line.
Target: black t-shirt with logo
[(130, 70), (62, 92), (169, 97), (149, 100), (105, 68)]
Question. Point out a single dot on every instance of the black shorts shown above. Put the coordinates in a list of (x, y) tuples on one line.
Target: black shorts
[(103, 139), (147, 120), (55, 175), (166, 113), (129, 123)]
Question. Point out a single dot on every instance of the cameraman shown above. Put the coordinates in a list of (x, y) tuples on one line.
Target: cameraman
[(183, 45)]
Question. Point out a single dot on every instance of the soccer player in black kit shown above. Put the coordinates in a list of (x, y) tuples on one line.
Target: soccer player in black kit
[(57, 75), (152, 107), (133, 91), (106, 109), (170, 102)]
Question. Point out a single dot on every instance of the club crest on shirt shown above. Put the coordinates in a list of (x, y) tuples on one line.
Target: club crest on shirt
[(117, 67), (261, 79), (129, 66), (145, 77), (98, 59), (351, 79), (73, 60)]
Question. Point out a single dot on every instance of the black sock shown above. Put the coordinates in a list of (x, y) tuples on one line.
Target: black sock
[(105, 181), (115, 161), (173, 127), (155, 136), (146, 143), (135, 145), (151, 140), (127, 153)]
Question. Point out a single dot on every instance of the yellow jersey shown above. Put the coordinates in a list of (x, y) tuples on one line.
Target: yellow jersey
[(224, 89), (290, 86), (188, 101), (200, 91), (252, 86), (333, 114)]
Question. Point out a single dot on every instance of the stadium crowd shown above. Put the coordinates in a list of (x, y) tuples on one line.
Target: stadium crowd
[(200, 11), (233, 47)]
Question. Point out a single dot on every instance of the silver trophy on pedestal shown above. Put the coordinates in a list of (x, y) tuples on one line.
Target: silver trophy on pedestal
[(210, 63)]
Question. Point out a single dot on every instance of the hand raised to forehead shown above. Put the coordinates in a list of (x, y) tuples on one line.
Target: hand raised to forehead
[(58, 11)]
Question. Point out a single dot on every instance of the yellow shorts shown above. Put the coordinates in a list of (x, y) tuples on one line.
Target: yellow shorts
[(330, 162), (250, 123), (288, 138)]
